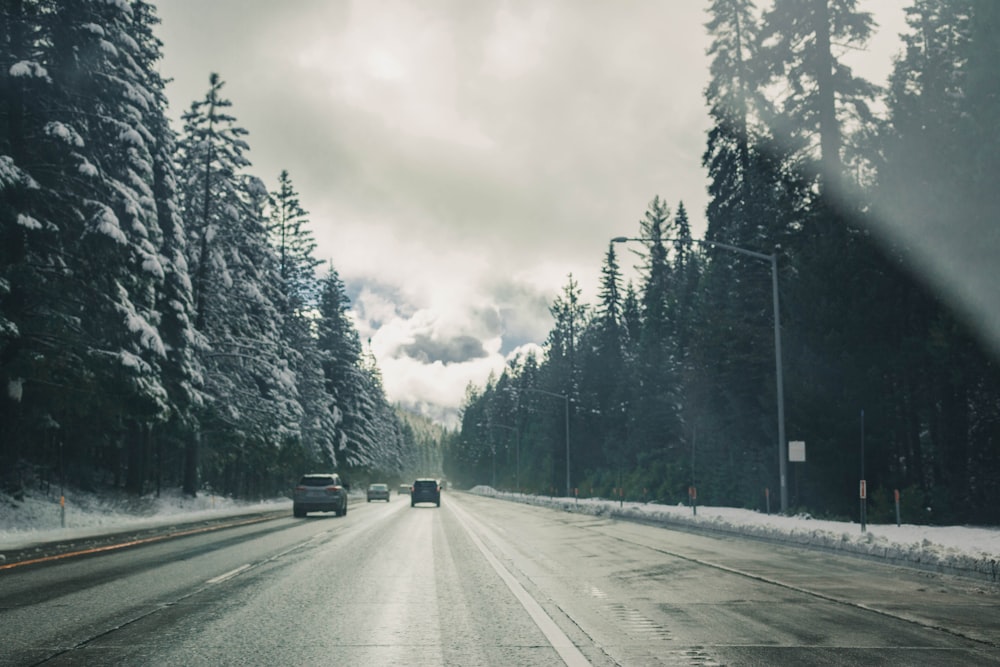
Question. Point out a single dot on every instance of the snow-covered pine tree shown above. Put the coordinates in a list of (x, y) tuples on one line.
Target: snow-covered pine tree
[(85, 258), (294, 246), (182, 370), (253, 407)]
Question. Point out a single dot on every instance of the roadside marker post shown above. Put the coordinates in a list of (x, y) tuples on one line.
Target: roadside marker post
[(864, 496), (895, 494)]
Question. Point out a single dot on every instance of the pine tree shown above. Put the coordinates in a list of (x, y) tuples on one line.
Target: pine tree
[(254, 403), (735, 101), (823, 95), (563, 367), (85, 141), (182, 369), (294, 245), (604, 381), (29, 263), (939, 150), (655, 428), (348, 386)]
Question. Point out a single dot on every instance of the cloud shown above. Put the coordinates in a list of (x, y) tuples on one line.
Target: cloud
[(431, 346), (458, 159), (457, 349)]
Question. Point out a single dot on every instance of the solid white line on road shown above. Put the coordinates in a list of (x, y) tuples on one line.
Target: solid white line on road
[(228, 575), (567, 650)]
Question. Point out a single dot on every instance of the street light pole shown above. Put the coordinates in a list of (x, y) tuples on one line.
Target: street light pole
[(565, 397), (772, 259), (517, 453)]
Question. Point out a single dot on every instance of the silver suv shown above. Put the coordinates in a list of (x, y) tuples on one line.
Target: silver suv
[(320, 492)]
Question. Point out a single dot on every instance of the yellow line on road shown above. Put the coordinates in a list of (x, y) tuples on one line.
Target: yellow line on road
[(131, 543)]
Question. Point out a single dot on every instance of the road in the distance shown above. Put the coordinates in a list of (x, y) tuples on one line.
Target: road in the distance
[(485, 582)]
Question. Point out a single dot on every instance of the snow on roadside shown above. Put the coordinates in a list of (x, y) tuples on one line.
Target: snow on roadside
[(37, 518), (952, 549)]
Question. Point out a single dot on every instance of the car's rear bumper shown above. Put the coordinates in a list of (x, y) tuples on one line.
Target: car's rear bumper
[(314, 506)]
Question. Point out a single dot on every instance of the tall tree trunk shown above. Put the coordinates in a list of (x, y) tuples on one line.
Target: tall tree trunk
[(191, 454), (829, 128), (743, 140), (135, 472)]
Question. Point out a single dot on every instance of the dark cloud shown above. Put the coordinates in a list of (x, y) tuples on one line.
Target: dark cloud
[(523, 314), (451, 351)]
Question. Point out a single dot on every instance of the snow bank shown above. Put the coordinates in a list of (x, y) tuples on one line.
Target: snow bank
[(36, 518), (963, 550)]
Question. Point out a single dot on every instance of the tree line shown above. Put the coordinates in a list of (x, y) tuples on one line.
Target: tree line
[(164, 319), (669, 382)]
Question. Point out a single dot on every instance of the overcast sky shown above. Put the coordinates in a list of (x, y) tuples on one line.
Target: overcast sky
[(460, 158)]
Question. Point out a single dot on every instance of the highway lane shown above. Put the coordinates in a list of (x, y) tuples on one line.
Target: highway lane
[(647, 595), (485, 582)]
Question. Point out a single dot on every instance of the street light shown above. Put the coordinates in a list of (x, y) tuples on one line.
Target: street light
[(566, 399), (773, 259)]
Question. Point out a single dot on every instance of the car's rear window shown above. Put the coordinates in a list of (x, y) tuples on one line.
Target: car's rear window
[(317, 480), (379, 487), (425, 484)]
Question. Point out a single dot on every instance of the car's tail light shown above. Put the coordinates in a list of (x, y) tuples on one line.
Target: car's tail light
[(300, 488), (333, 488)]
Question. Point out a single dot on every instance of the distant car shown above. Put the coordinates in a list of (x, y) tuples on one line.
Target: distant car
[(320, 492), (425, 491), (404, 489), (378, 492)]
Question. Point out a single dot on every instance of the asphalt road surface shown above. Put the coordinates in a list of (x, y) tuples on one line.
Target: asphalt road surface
[(484, 582)]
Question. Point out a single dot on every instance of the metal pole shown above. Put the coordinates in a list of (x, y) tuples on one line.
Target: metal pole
[(773, 259), (62, 488), (864, 486), (565, 397), (694, 485), (568, 486), (782, 444)]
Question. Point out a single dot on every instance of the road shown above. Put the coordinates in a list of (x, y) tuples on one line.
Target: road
[(484, 582)]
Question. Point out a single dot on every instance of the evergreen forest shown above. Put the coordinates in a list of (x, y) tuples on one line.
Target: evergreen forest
[(666, 387), (164, 318)]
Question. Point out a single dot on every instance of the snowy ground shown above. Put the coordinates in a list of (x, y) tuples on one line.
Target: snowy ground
[(954, 549), (951, 549), (37, 518)]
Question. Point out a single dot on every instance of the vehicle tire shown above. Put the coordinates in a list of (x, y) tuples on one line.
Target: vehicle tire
[(297, 513), (438, 503), (369, 500), (343, 512), (412, 504)]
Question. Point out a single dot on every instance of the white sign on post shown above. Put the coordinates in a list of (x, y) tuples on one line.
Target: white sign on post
[(797, 451)]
